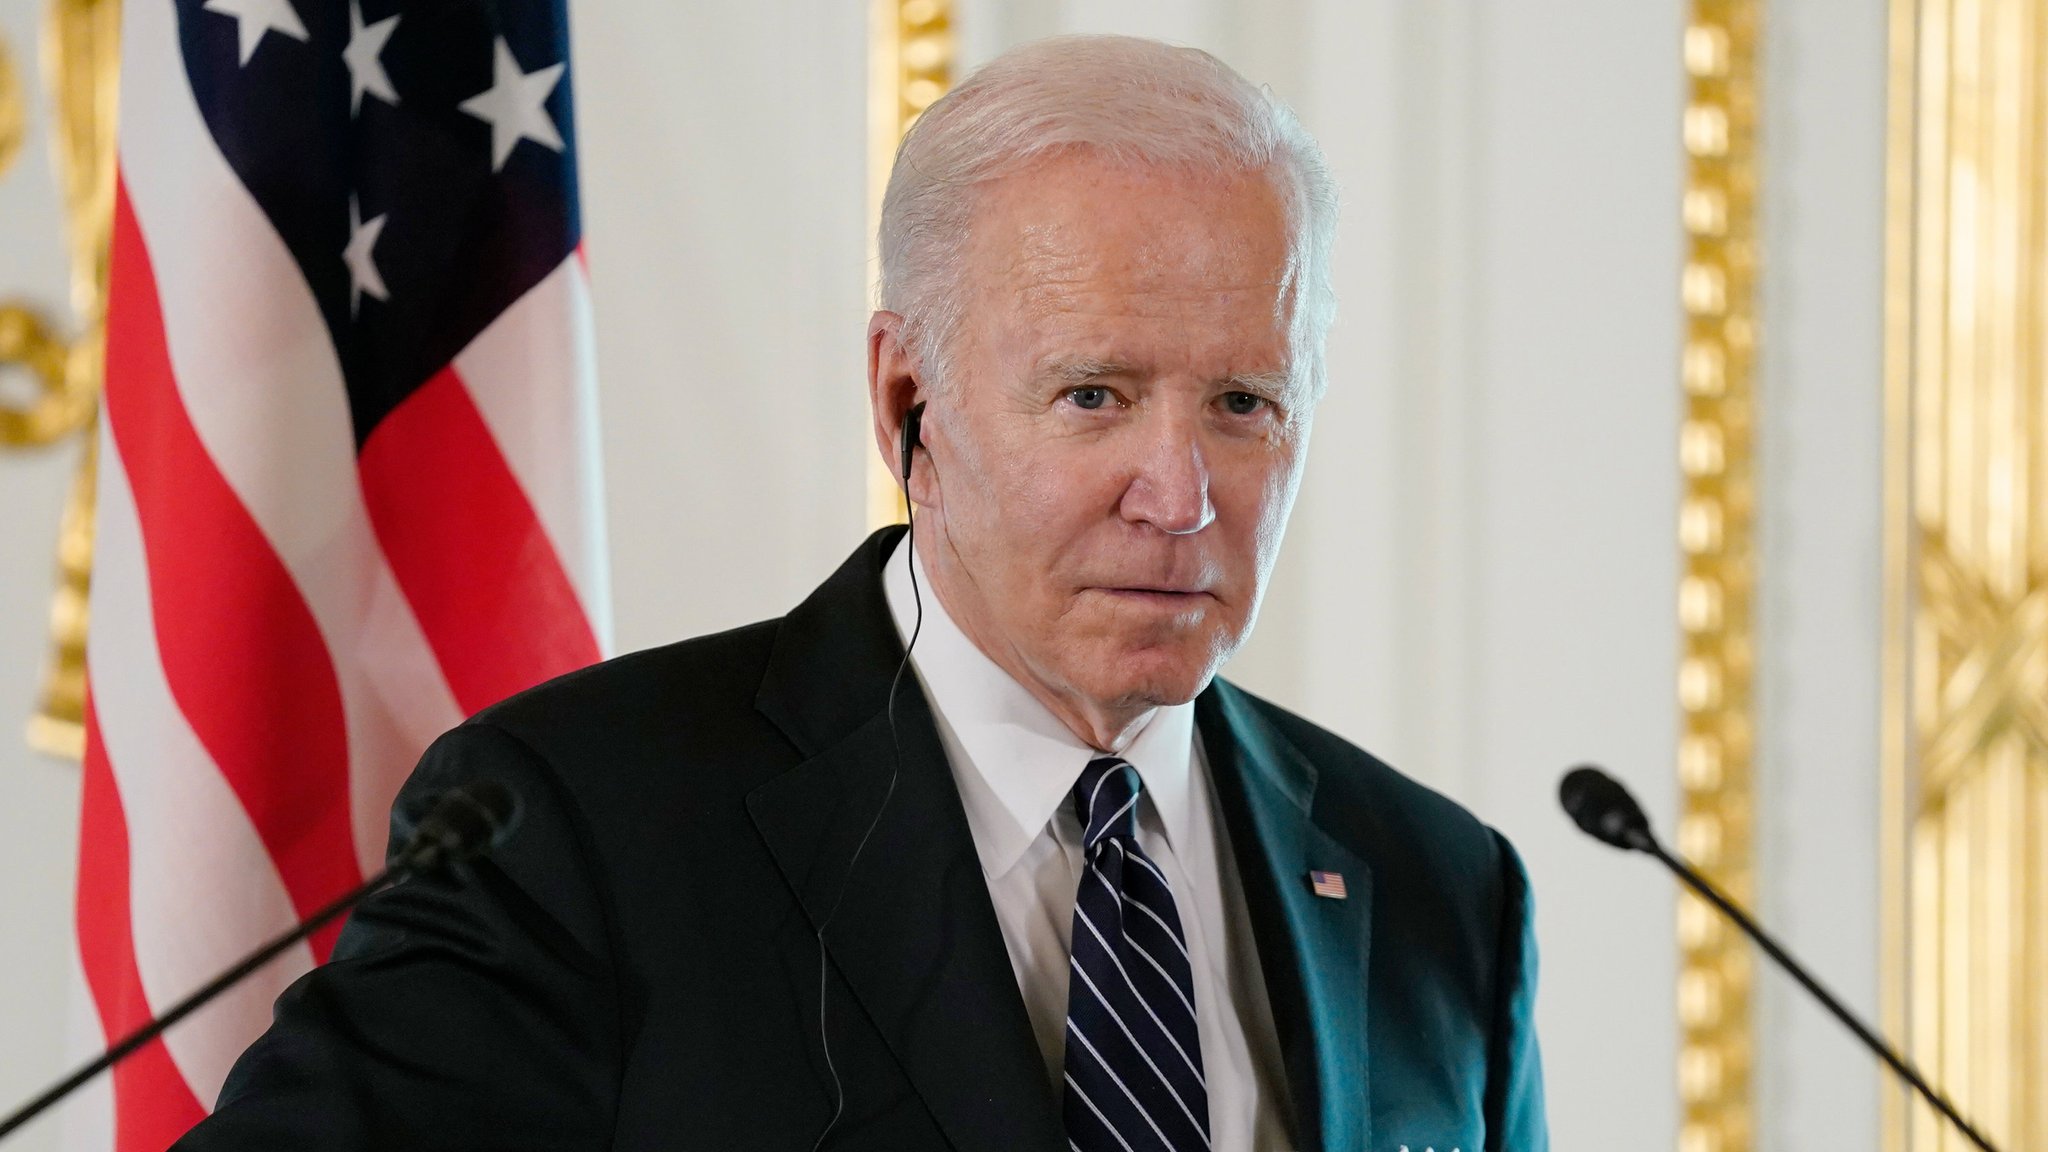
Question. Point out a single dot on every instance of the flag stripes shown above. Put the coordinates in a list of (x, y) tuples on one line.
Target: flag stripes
[(241, 653), (447, 509), (153, 1107), (185, 826), (550, 438)]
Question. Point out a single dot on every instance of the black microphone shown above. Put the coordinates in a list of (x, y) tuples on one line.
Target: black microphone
[(1604, 810), (461, 824)]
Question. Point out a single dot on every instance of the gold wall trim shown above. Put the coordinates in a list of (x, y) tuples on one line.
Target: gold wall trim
[(1717, 537), (13, 109), (910, 65), (81, 63), (1966, 708)]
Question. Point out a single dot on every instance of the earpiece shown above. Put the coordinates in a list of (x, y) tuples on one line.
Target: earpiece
[(913, 424)]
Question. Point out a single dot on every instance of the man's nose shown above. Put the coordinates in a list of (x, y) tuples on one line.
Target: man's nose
[(1169, 486)]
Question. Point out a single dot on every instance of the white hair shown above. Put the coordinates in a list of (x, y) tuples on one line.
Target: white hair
[(1134, 102)]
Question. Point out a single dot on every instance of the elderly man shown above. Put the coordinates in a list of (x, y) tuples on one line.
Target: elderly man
[(1042, 882)]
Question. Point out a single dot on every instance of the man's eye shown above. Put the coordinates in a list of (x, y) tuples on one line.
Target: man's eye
[(1242, 403), (1088, 396)]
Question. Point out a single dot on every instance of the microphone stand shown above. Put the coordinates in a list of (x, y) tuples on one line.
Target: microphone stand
[(1643, 841), (462, 824)]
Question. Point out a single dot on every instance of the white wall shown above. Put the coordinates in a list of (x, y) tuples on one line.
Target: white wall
[(1819, 614), (725, 187), (1479, 584)]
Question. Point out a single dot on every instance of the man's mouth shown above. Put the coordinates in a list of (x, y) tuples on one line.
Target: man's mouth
[(1161, 596)]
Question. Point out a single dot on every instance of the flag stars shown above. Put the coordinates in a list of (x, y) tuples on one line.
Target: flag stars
[(365, 71), (362, 265), (514, 106), (255, 19)]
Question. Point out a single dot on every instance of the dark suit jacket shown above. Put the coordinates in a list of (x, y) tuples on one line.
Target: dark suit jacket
[(638, 966)]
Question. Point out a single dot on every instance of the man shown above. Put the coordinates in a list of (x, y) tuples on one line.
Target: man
[(1044, 883)]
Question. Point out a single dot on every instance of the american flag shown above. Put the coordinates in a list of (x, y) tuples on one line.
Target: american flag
[(348, 482), (1328, 884)]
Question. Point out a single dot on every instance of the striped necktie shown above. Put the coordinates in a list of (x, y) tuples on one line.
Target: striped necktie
[(1134, 1079)]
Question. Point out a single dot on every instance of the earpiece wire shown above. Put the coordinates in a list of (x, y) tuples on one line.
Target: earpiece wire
[(895, 773)]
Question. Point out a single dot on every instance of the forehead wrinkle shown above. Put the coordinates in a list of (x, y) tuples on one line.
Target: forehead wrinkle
[(1050, 272), (1041, 268), (1079, 293)]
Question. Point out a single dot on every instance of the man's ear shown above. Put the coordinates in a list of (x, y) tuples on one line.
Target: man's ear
[(893, 385)]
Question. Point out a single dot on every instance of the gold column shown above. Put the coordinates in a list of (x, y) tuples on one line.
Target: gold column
[(1966, 782), (81, 66), (1716, 534), (910, 66)]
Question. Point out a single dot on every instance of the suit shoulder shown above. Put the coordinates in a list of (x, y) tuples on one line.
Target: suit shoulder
[(706, 678)]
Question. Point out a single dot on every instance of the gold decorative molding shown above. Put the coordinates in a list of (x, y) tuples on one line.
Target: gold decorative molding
[(1717, 536), (1966, 668), (13, 109), (910, 65), (81, 68), (58, 726)]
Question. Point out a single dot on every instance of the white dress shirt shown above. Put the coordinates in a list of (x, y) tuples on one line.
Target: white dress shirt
[(1015, 764)]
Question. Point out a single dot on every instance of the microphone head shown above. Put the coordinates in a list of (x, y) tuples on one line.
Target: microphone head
[(463, 823), (1603, 809), (496, 807)]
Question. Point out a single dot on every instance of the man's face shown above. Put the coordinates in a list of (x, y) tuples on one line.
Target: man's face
[(1116, 454)]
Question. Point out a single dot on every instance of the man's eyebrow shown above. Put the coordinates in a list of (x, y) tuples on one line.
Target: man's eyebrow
[(1261, 383), (1076, 370)]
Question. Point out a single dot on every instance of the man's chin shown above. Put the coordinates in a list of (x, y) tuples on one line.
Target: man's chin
[(1147, 679)]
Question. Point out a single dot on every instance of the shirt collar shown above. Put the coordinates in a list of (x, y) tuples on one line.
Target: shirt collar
[(1015, 762)]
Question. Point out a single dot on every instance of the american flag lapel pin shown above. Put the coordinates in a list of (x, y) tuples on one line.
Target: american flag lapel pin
[(1329, 885)]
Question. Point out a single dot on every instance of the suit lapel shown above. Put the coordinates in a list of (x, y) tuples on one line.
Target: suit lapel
[(914, 934), (1314, 950)]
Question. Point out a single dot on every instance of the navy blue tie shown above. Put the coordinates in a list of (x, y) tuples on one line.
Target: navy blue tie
[(1134, 1079)]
